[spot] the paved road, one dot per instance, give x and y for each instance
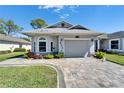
(81, 72)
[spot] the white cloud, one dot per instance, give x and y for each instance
(55, 7)
(63, 16)
(73, 8)
(59, 9)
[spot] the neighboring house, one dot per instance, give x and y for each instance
(72, 40)
(10, 43)
(113, 41)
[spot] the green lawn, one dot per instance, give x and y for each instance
(28, 77)
(11, 55)
(115, 58)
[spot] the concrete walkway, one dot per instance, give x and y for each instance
(81, 72)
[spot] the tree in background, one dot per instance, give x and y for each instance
(2, 27)
(11, 27)
(38, 23)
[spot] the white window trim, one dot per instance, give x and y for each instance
(114, 40)
(42, 41)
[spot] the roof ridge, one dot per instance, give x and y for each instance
(58, 22)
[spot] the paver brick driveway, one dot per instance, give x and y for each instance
(83, 72)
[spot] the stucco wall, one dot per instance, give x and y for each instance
(49, 39)
(27, 47)
(121, 44)
(104, 44)
(5, 45)
(58, 43)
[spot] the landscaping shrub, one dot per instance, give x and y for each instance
(37, 56)
(99, 55)
(5, 52)
(19, 50)
(32, 55)
(26, 56)
(60, 55)
(49, 56)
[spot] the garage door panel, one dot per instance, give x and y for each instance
(74, 48)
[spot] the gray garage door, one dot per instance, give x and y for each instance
(76, 48)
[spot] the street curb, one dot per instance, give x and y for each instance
(60, 76)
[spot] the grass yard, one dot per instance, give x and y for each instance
(10, 55)
(28, 77)
(115, 58)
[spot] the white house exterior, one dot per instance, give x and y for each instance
(72, 40)
(113, 42)
(10, 43)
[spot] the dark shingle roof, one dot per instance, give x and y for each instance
(60, 29)
(78, 27)
(13, 39)
(118, 34)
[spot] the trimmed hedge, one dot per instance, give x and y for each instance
(5, 52)
(19, 50)
(60, 55)
(49, 56)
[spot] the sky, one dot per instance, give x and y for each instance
(105, 19)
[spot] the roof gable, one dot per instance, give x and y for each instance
(61, 24)
(78, 27)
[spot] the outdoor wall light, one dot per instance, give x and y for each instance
(92, 39)
(77, 36)
(61, 39)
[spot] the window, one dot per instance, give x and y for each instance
(62, 24)
(114, 44)
(51, 46)
(42, 38)
(42, 46)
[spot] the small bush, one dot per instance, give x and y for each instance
(19, 50)
(99, 55)
(26, 56)
(37, 56)
(60, 55)
(32, 55)
(5, 52)
(49, 56)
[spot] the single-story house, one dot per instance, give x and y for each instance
(72, 40)
(112, 42)
(10, 43)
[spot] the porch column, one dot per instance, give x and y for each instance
(98, 44)
(36, 45)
